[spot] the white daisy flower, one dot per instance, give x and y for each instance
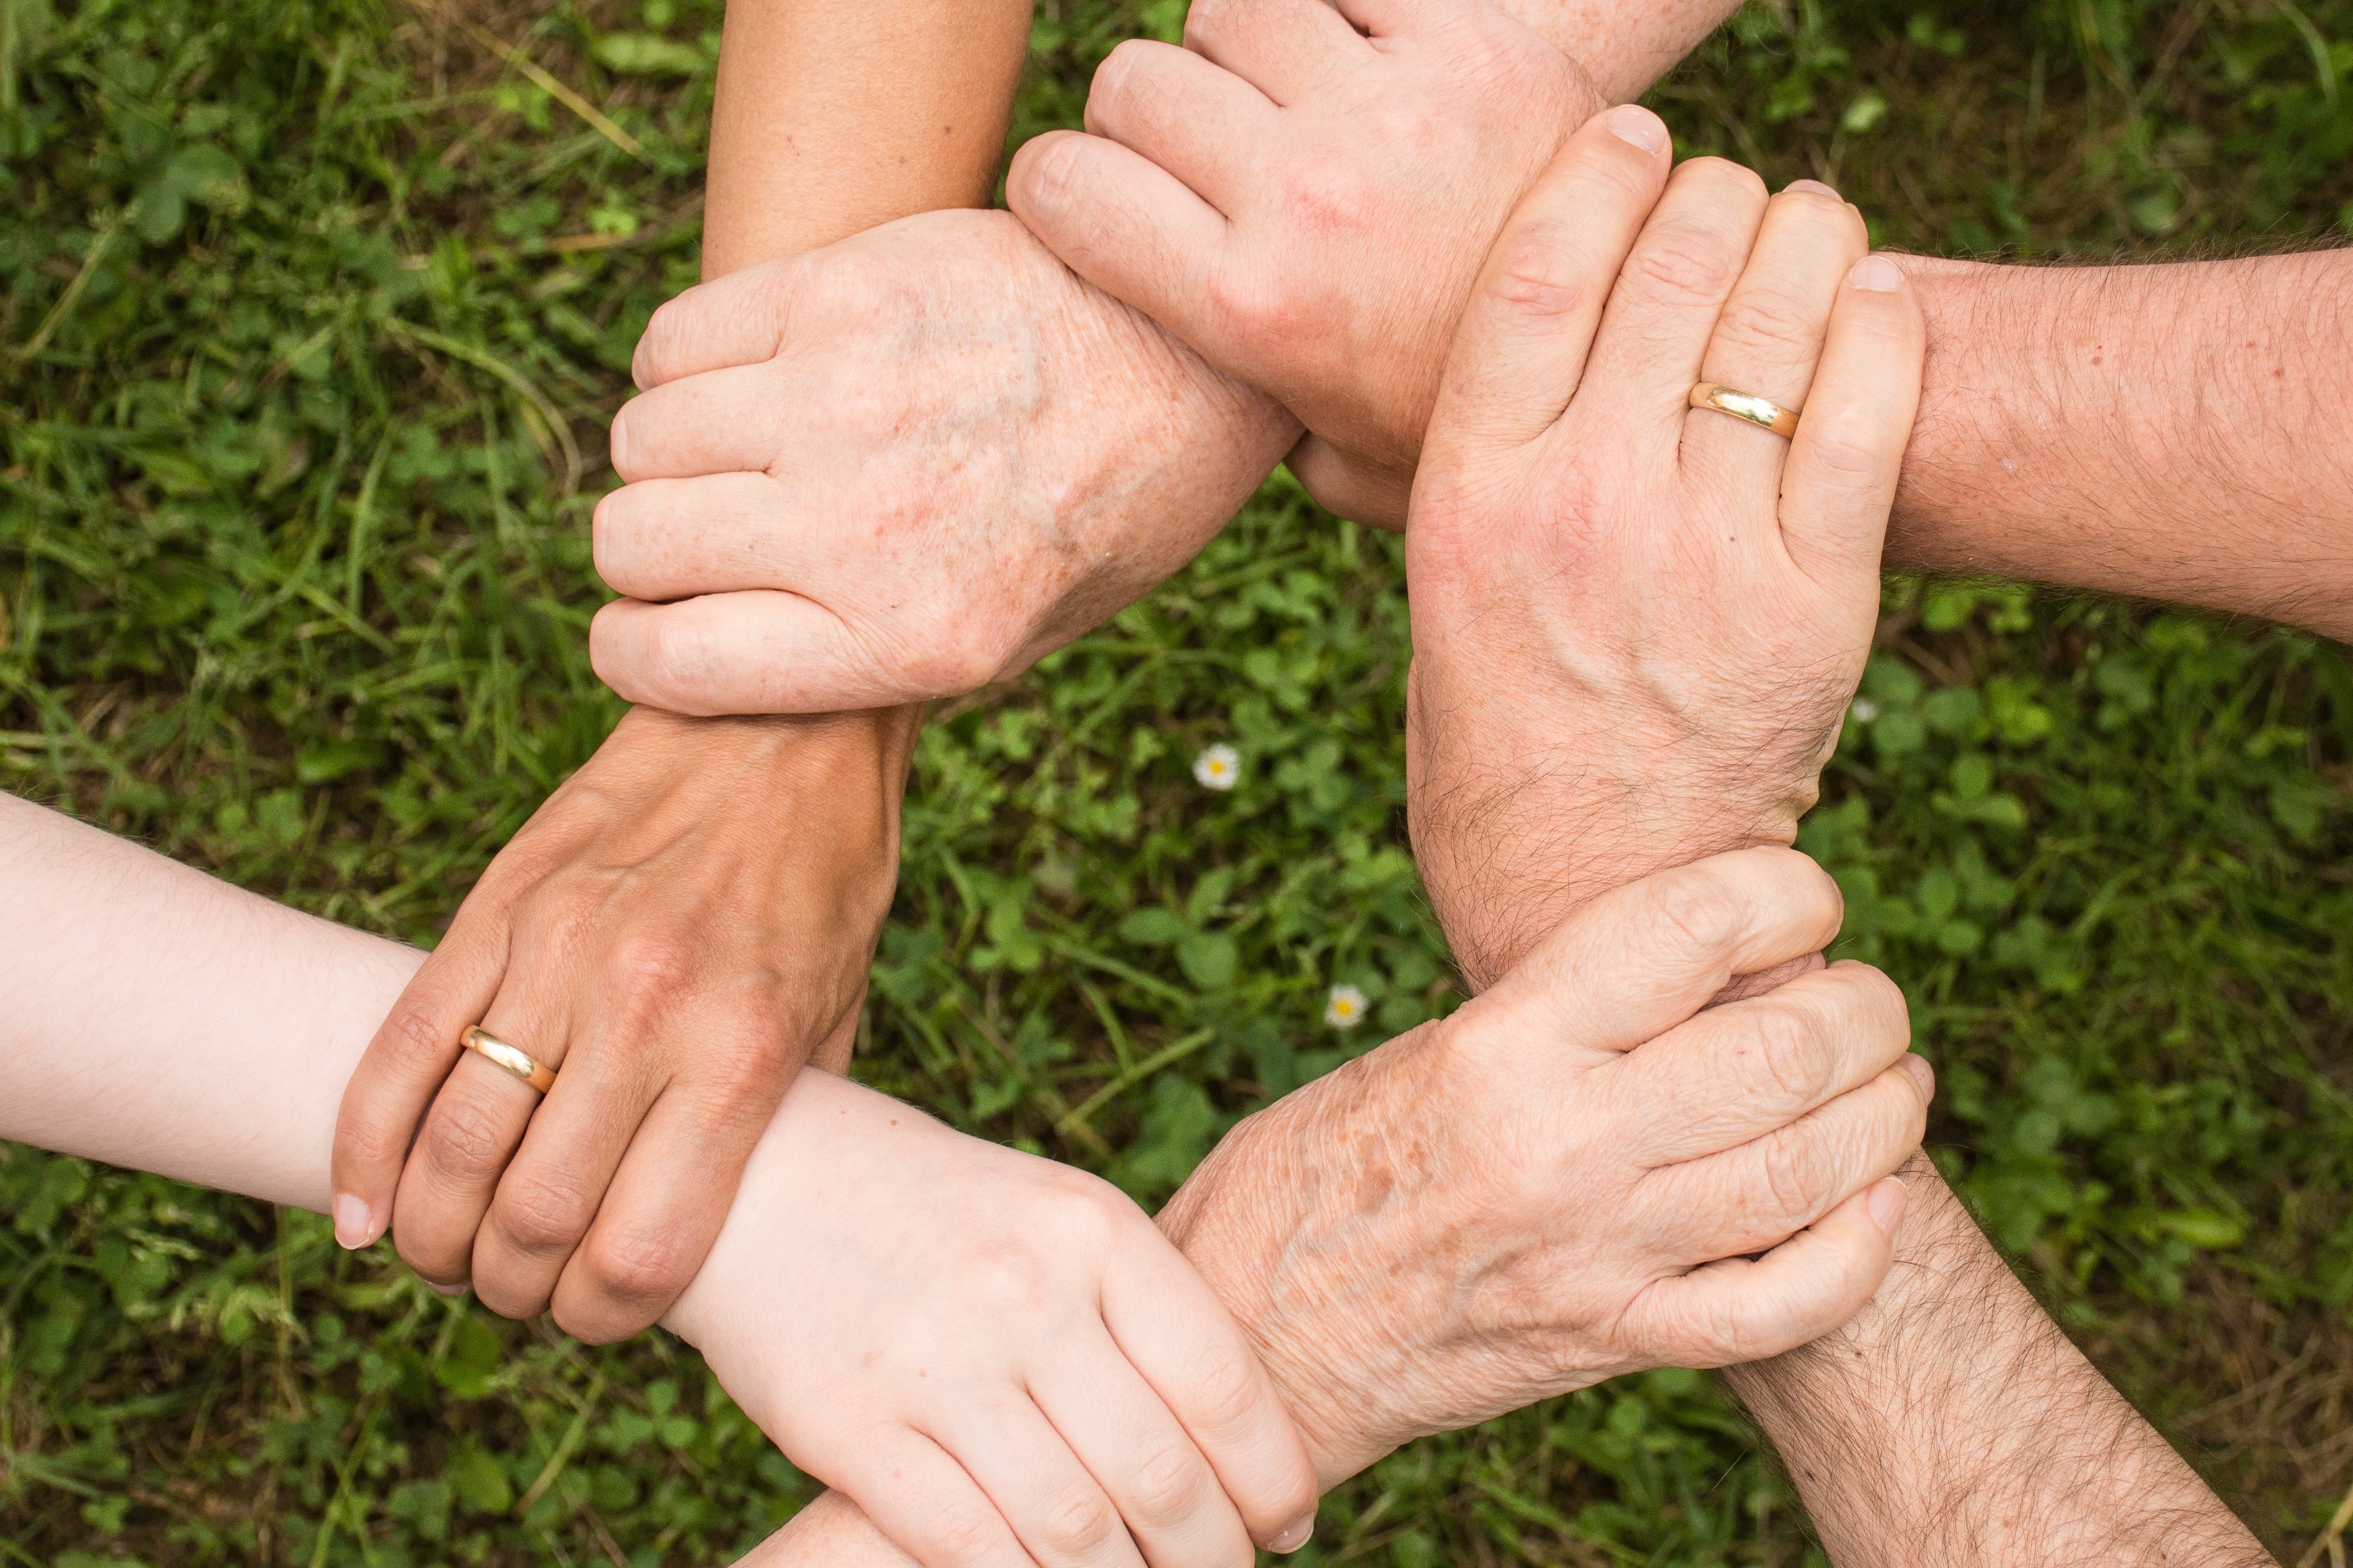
(1346, 1009)
(1864, 711)
(1219, 768)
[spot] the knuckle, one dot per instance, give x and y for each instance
(463, 1138)
(1167, 1484)
(1326, 195)
(655, 960)
(1205, 21)
(1791, 1053)
(1223, 1396)
(1534, 274)
(640, 1267)
(540, 1217)
(680, 657)
(1731, 181)
(1791, 1176)
(1046, 170)
(1076, 1522)
(1684, 265)
(964, 1533)
(1696, 913)
(1768, 326)
(415, 1040)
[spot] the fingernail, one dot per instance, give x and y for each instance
(1886, 1204)
(443, 1289)
(1876, 274)
(1922, 1074)
(1293, 1536)
(1630, 123)
(1815, 186)
(355, 1222)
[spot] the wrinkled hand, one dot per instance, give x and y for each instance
(997, 1356)
(903, 466)
(676, 930)
(1565, 1180)
(1637, 625)
(1308, 206)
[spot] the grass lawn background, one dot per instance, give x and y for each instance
(314, 311)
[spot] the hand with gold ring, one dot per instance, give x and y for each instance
(557, 1110)
(1641, 602)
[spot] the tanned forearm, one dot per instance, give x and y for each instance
(1951, 1422)
(834, 116)
(2170, 432)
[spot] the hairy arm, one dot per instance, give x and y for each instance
(1951, 1422)
(2166, 431)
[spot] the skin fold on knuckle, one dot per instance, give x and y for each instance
(464, 1141)
(1076, 1523)
(541, 1218)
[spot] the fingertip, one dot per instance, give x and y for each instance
(1293, 1536)
(1039, 181)
(1638, 128)
(1923, 1076)
(1875, 273)
(1886, 1199)
(355, 1223)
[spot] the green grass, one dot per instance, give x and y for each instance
(311, 311)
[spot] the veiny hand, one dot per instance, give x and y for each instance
(996, 1356)
(1567, 1179)
(676, 930)
(1308, 206)
(903, 466)
(1636, 625)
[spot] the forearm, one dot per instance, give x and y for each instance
(1623, 49)
(1952, 1423)
(2170, 432)
(833, 116)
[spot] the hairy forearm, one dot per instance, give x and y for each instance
(834, 116)
(1951, 1422)
(1623, 49)
(2170, 432)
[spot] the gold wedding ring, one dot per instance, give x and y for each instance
(1764, 411)
(491, 1049)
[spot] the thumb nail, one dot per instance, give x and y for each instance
(355, 1222)
(1886, 1204)
(1293, 1536)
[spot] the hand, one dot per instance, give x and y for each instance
(1565, 1179)
(996, 1356)
(900, 468)
(1308, 206)
(676, 930)
(1636, 625)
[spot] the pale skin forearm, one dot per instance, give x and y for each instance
(2171, 432)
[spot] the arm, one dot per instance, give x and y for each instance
(1951, 1424)
(2168, 431)
(591, 938)
(1561, 616)
(2174, 432)
(1393, 1298)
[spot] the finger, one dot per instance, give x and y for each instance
(1175, 1512)
(473, 1129)
(1134, 231)
(1288, 50)
(1739, 1310)
(760, 652)
(1758, 1196)
(1521, 346)
(1180, 1339)
(664, 1207)
(715, 422)
(659, 539)
(1023, 1466)
(1349, 487)
(1770, 335)
(405, 1064)
(550, 1193)
(1643, 957)
(735, 319)
(1735, 1073)
(1840, 477)
(1199, 123)
(926, 1503)
(1663, 308)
